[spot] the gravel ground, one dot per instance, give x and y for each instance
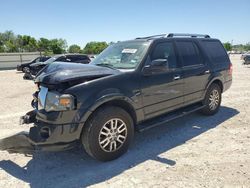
(194, 151)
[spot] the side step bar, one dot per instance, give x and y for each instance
(169, 117)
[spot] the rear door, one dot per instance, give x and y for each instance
(162, 92)
(195, 71)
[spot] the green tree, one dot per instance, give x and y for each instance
(43, 45)
(58, 46)
(19, 43)
(8, 40)
(247, 47)
(29, 43)
(74, 49)
(1, 48)
(228, 46)
(8, 36)
(95, 47)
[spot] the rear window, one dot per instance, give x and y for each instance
(216, 52)
(83, 57)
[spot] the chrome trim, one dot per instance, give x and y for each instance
(42, 97)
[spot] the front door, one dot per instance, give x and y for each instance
(162, 91)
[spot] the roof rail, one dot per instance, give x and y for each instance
(153, 36)
(175, 35)
(187, 35)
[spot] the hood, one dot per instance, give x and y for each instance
(61, 72)
(25, 64)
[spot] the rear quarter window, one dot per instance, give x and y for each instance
(216, 52)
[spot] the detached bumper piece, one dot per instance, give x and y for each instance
(18, 143)
(41, 137)
(21, 143)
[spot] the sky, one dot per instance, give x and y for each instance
(80, 21)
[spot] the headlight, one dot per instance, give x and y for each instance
(58, 102)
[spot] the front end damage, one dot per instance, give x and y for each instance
(42, 136)
(56, 120)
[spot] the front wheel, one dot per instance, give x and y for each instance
(108, 133)
(212, 100)
(26, 69)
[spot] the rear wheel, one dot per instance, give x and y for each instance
(108, 133)
(212, 100)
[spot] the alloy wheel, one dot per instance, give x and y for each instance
(214, 99)
(112, 135)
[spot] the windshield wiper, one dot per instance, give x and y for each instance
(105, 65)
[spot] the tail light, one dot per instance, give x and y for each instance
(230, 69)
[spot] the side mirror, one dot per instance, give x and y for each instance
(159, 62)
(157, 66)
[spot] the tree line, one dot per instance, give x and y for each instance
(10, 42)
(239, 47)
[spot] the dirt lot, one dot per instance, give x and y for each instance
(194, 151)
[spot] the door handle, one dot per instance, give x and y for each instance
(177, 77)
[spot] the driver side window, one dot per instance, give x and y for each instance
(165, 50)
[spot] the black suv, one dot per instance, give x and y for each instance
(131, 85)
(69, 58)
(25, 67)
(246, 60)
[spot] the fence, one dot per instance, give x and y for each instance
(11, 60)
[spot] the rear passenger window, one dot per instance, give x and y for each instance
(165, 50)
(189, 53)
(216, 52)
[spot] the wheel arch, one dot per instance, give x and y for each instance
(217, 81)
(119, 101)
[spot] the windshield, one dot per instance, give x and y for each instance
(122, 55)
(51, 60)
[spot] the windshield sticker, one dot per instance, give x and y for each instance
(129, 51)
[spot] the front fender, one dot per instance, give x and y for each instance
(104, 99)
(101, 101)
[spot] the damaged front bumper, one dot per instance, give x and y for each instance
(41, 137)
(28, 76)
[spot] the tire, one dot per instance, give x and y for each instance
(212, 100)
(97, 133)
(26, 69)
